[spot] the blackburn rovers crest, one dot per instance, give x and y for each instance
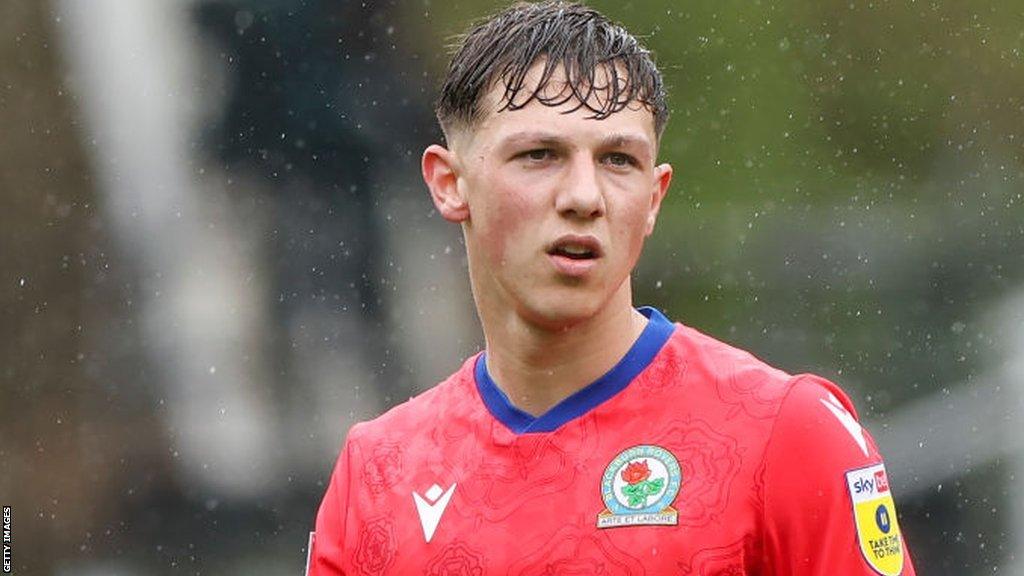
(639, 487)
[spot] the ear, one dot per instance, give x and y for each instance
(662, 178)
(442, 178)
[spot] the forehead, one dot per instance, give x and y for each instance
(555, 105)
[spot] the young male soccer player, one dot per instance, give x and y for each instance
(591, 437)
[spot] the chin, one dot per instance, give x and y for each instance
(561, 311)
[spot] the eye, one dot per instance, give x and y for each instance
(538, 154)
(619, 160)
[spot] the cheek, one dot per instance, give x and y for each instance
(631, 224)
(504, 220)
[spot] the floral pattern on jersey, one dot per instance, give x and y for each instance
(754, 391)
(383, 468)
(573, 551)
(376, 549)
(709, 461)
(456, 560)
(758, 485)
(718, 561)
(664, 373)
(537, 466)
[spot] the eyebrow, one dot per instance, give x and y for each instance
(624, 140)
(545, 138)
(614, 140)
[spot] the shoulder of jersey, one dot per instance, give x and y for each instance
(738, 376)
(723, 356)
(816, 407)
(820, 412)
(452, 396)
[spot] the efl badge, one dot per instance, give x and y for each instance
(638, 488)
(875, 514)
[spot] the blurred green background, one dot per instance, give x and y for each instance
(215, 253)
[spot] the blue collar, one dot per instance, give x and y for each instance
(643, 351)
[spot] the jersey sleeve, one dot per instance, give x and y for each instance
(827, 505)
(326, 544)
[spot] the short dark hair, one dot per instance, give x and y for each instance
(569, 37)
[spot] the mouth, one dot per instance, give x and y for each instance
(575, 256)
(575, 247)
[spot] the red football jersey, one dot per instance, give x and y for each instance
(688, 457)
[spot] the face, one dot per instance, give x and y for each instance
(555, 207)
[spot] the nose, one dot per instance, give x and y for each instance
(579, 194)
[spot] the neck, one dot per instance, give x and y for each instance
(538, 367)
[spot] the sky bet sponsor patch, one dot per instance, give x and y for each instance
(875, 514)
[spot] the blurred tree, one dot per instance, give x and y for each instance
(322, 101)
(78, 449)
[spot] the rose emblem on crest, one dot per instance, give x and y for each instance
(636, 472)
(638, 487)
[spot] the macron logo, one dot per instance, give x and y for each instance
(431, 506)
